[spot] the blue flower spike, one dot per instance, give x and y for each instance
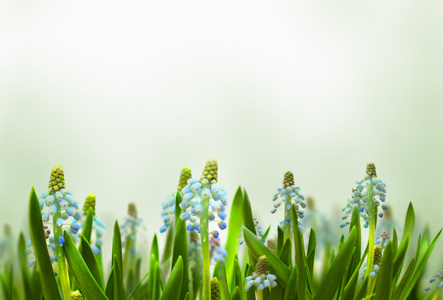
(284, 199)
(58, 209)
(359, 197)
(205, 189)
(261, 278)
(98, 225)
(168, 206)
(437, 280)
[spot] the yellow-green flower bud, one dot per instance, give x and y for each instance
(377, 255)
(132, 210)
(89, 202)
(57, 180)
(215, 289)
(310, 203)
(370, 170)
(76, 295)
(210, 171)
(184, 176)
(194, 237)
(8, 230)
(288, 179)
(262, 266)
(271, 245)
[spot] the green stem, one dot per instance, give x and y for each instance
(287, 225)
(436, 295)
(61, 262)
(128, 257)
(371, 216)
(259, 295)
(204, 234)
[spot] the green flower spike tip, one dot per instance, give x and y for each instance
(132, 210)
(288, 179)
(261, 277)
(184, 176)
(215, 289)
(76, 295)
(89, 202)
(210, 171)
(57, 180)
(370, 170)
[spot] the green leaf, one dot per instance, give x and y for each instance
(310, 257)
(167, 251)
(384, 276)
(137, 287)
(110, 285)
(409, 225)
(119, 287)
(419, 270)
(171, 289)
(257, 249)
(300, 258)
(26, 276)
(49, 285)
(337, 270)
(291, 289)
(152, 280)
(286, 253)
(223, 283)
(85, 280)
(234, 232)
(280, 236)
(180, 249)
(87, 227)
(91, 262)
(404, 280)
(237, 294)
(238, 278)
(248, 221)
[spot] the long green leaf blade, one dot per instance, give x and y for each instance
(49, 285)
(83, 276)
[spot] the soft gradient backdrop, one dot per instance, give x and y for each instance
(125, 94)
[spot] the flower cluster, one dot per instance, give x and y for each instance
(59, 210)
(376, 265)
(204, 190)
(261, 277)
(6, 245)
(98, 225)
(382, 240)
(168, 206)
(131, 225)
(359, 197)
(215, 289)
(215, 249)
(437, 277)
(289, 195)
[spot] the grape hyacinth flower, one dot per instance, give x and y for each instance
(129, 230)
(382, 240)
(286, 197)
(376, 265)
(215, 289)
(168, 206)
(61, 213)
(436, 279)
(361, 194)
(368, 194)
(98, 225)
(6, 246)
(203, 201)
(261, 278)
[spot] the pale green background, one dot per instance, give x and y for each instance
(123, 95)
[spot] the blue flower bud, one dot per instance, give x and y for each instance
(222, 224)
(96, 250)
(59, 222)
(222, 215)
(61, 240)
(185, 216)
(52, 209)
(58, 195)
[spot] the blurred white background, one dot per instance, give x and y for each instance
(125, 94)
